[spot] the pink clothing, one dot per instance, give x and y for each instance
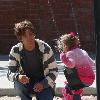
(67, 96)
(80, 59)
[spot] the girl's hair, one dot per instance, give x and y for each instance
(70, 40)
(21, 27)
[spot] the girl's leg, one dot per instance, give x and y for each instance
(77, 94)
(68, 90)
(76, 97)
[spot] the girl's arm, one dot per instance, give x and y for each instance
(68, 60)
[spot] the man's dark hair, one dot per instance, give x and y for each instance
(21, 27)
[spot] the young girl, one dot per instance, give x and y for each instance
(74, 57)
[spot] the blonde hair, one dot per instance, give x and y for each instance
(69, 40)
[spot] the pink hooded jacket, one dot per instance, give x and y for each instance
(80, 59)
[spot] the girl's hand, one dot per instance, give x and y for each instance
(65, 49)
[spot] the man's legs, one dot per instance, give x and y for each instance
(22, 91)
(46, 94)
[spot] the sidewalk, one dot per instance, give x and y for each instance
(7, 89)
(55, 98)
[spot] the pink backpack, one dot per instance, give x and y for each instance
(86, 74)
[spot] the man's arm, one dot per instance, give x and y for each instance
(13, 65)
(50, 67)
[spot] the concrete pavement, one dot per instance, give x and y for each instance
(55, 98)
(6, 87)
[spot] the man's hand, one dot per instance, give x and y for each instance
(38, 87)
(23, 79)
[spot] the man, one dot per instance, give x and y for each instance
(32, 65)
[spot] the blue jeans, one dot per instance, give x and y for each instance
(26, 92)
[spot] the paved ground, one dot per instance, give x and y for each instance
(17, 98)
(56, 98)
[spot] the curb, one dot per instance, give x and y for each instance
(12, 92)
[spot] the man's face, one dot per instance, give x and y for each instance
(28, 38)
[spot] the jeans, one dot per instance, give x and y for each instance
(25, 92)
